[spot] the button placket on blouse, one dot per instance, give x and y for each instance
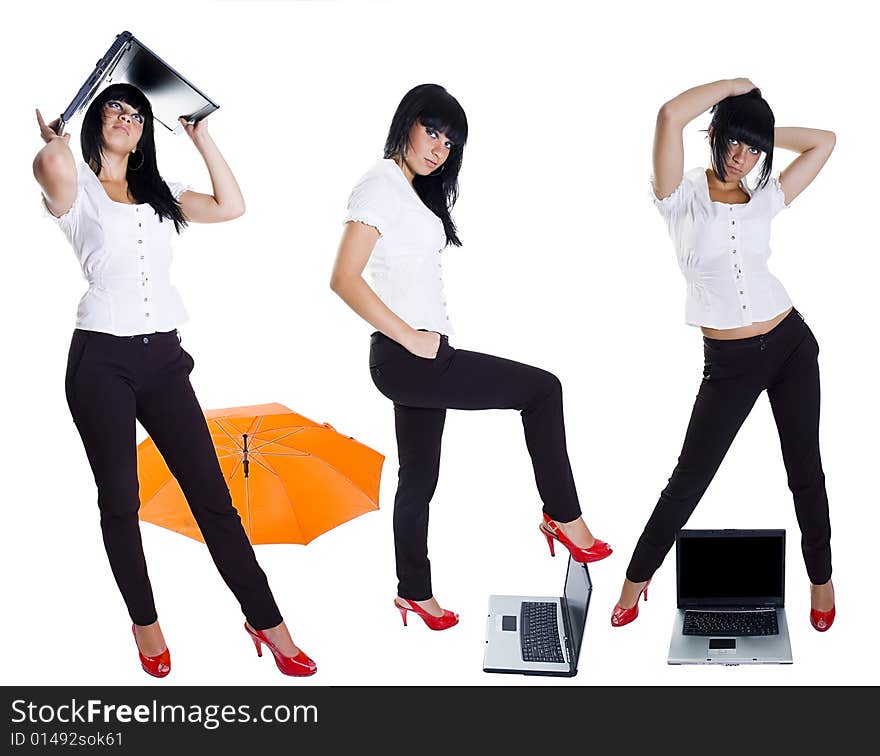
(440, 279)
(142, 266)
(739, 280)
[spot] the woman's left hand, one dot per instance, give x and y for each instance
(225, 202)
(195, 131)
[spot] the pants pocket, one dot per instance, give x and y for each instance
(442, 347)
(707, 370)
(78, 344)
(189, 359)
(812, 338)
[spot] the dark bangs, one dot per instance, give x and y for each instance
(130, 95)
(451, 123)
(434, 107)
(144, 182)
(748, 119)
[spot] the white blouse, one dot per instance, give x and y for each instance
(125, 254)
(722, 251)
(405, 263)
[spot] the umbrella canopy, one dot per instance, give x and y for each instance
(291, 478)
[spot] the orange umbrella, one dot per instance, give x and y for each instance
(291, 478)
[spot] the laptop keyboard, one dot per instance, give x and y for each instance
(761, 622)
(539, 632)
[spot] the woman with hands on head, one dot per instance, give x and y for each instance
(126, 362)
(399, 219)
(754, 340)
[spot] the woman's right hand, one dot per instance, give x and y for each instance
(55, 168)
(423, 344)
(47, 131)
(671, 120)
(741, 87)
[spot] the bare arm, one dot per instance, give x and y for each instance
(226, 201)
(347, 281)
(55, 169)
(814, 147)
(671, 120)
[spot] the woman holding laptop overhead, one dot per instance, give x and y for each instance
(126, 362)
(753, 338)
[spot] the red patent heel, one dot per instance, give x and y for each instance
(157, 666)
(822, 620)
(621, 616)
(443, 622)
(599, 549)
(295, 666)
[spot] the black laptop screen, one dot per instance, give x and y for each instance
(578, 588)
(716, 568)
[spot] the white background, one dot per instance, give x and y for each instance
(566, 265)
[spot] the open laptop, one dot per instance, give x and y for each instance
(731, 598)
(129, 61)
(538, 635)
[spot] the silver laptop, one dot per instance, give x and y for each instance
(731, 598)
(539, 635)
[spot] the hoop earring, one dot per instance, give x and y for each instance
(139, 165)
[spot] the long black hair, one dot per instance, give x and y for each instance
(434, 107)
(748, 119)
(144, 182)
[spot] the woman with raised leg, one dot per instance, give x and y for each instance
(399, 220)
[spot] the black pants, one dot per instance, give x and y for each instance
(736, 372)
(422, 390)
(111, 380)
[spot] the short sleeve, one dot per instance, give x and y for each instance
(673, 204)
(775, 196)
(68, 220)
(177, 188)
(372, 201)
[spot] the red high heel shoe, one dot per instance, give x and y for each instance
(621, 616)
(822, 620)
(296, 666)
(157, 666)
(443, 622)
(599, 549)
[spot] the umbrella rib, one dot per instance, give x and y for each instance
(266, 468)
(277, 439)
(221, 425)
(301, 429)
(232, 474)
(326, 464)
(351, 483)
(343, 476)
(255, 425)
(357, 489)
(286, 454)
(228, 449)
(231, 437)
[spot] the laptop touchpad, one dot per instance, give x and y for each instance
(508, 622)
(722, 645)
